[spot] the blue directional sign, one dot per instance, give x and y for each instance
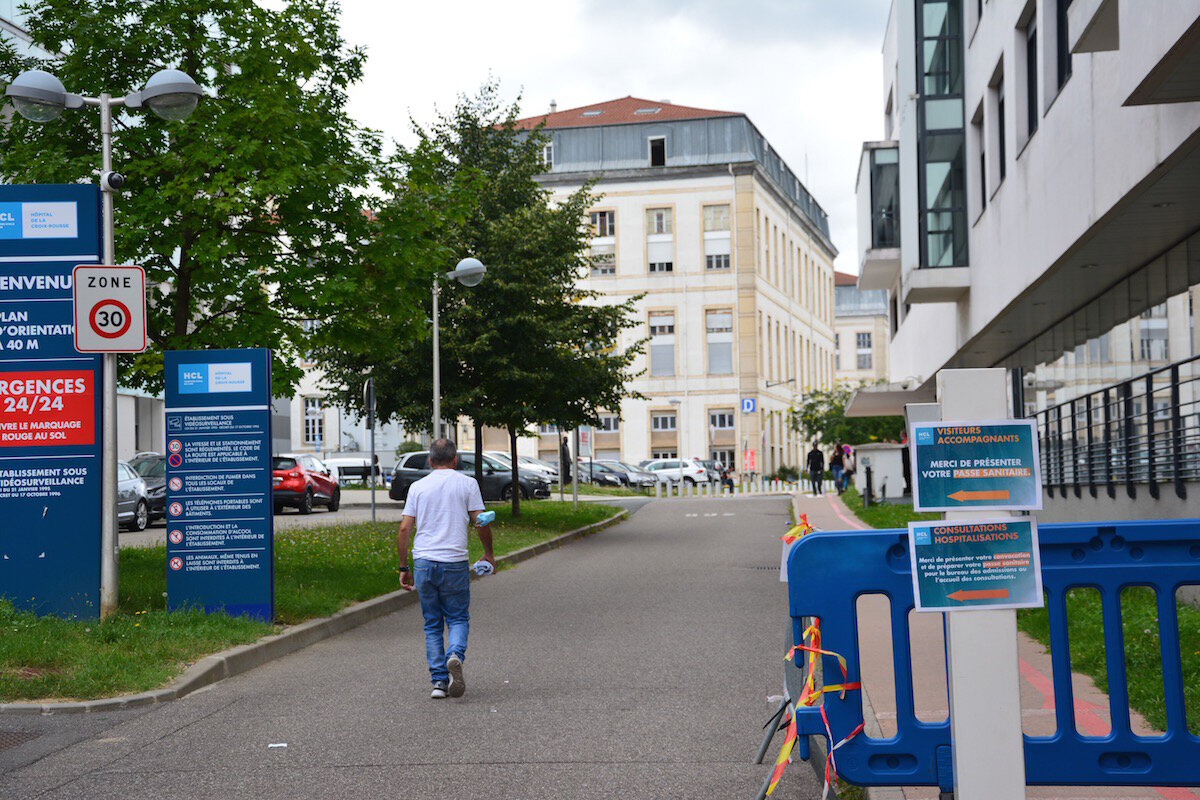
(220, 531)
(749, 405)
(977, 563)
(964, 465)
(50, 396)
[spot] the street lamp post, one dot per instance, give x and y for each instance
(39, 96)
(468, 272)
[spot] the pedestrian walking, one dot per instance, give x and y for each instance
(564, 458)
(837, 465)
(440, 507)
(816, 468)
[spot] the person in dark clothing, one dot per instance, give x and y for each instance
(816, 468)
(564, 458)
(837, 465)
(726, 478)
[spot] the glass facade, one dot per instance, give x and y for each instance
(885, 197)
(942, 169)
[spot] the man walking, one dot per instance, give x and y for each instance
(441, 506)
(816, 468)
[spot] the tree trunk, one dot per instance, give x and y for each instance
(479, 454)
(512, 454)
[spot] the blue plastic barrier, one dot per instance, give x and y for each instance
(828, 571)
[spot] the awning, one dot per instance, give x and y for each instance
(888, 399)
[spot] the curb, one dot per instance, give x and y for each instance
(243, 658)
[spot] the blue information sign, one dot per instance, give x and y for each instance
(220, 532)
(50, 398)
(977, 563)
(964, 465)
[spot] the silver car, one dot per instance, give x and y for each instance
(133, 501)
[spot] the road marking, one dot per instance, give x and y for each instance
(727, 514)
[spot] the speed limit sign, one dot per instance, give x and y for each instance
(110, 309)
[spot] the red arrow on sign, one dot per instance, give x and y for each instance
(963, 595)
(962, 495)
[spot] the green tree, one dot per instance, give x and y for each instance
(822, 414)
(247, 216)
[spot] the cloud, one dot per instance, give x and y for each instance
(807, 72)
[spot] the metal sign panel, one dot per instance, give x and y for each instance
(977, 563)
(220, 530)
(975, 465)
(110, 309)
(749, 405)
(50, 396)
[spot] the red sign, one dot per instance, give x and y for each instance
(750, 461)
(51, 408)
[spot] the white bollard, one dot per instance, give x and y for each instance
(658, 490)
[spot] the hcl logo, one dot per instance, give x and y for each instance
(924, 436)
(6, 216)
(193, 376)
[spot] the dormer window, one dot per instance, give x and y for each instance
(595, 112)
(647, 111)
(658, 151)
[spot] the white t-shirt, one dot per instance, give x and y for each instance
(440, 503)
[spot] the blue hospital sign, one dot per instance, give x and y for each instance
(965, 465)
(220, 531)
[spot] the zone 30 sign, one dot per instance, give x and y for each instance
(110, 309)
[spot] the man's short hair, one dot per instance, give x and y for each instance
(442, 453)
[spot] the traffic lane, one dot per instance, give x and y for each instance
(632, 664)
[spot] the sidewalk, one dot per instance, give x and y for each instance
(928, 654)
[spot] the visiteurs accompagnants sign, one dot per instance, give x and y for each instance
(975, 465)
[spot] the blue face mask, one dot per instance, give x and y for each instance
(485, 518)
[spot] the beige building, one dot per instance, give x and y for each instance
(861, 333)
(732, 258)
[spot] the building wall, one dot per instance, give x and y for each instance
(848, 329)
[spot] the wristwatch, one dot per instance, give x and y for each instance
(404, 568)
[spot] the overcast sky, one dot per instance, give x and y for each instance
(807, 72)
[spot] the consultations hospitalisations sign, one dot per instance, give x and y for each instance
(967, 465)
(220, 532)
(984, 563)
(50, 395)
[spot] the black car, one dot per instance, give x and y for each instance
(152, 467)
(600, 474)
(496, 484)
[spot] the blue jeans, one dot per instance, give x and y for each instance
(837, 477)
(445, 592)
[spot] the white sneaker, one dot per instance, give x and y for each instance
(454, 666)
(439, 691)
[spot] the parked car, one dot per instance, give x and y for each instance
(353, 469)
(496, 484)
(550, 469)
(549, 473)
(303, 481)
(133, 503)
(714, 469)
(634, 477)
(599, 474)
(152, 468)
(674, 470)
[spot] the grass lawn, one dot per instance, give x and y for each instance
(884, 516)
(1143, 666)
(143, 646)
(589, 488)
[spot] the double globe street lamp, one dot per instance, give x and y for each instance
(39, 96)
(469, 272)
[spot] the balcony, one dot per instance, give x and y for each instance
(878, 191)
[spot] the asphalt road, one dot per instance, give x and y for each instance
(632, 664)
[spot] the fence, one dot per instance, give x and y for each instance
(1107, 557)
(1145, 430)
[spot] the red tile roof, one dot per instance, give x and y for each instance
(624, 111)
(844, 279)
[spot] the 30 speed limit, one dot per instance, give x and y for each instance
(110, 309)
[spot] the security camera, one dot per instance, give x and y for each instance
(111, 181)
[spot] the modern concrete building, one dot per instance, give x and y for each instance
(701, 217)
(1034, 206)
(860, 338)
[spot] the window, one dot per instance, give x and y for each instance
(604, 223)
(660, 241)
(548, 154)
(981, 136)
(1000, 138)
(837, 351)
(547, 430)
(663, 421)
(609, 423)
(314, 421)
(663, 454)
(662, 344)
(719, 330)
(1062, 41)
(863, 349)
(417, 461)
(721, 419)
(1031, 82)
(658, 151)
(717, 246)
(604, 259)
(725, 457)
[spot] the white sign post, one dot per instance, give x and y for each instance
(110, 309)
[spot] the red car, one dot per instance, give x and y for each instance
(303, 481)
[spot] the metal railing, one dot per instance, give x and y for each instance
(1145, 430)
